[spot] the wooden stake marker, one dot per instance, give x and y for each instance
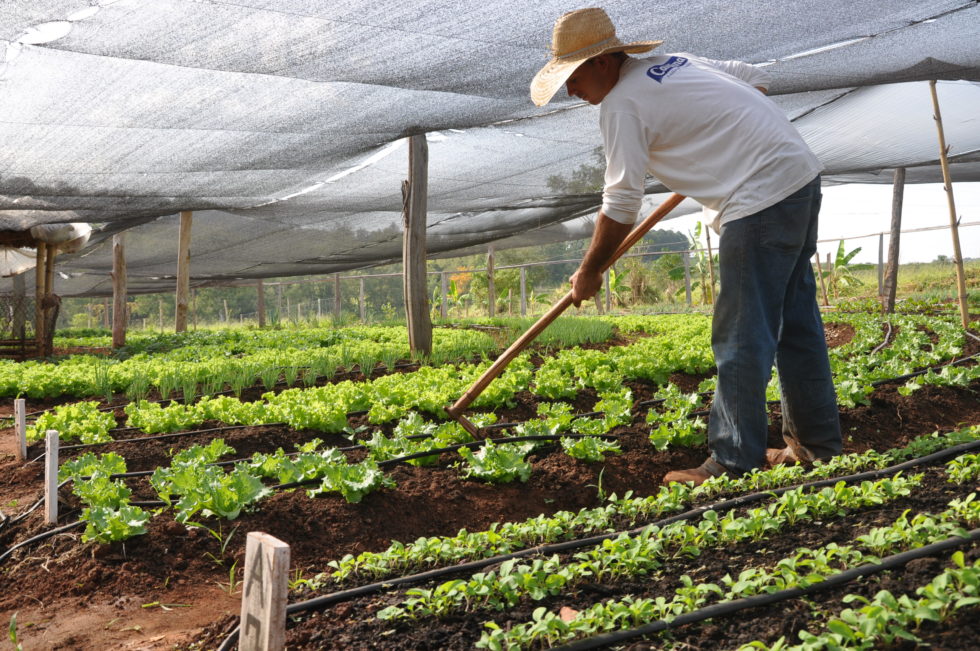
(263, 625)
(20, 429)
(51, 477)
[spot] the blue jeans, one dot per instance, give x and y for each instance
(767, 311)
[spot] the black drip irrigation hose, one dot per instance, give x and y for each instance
(318, 603)
(47, 534)
(731, 607)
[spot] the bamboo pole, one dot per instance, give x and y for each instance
(523, 291)
(953, 222)
(183, 271)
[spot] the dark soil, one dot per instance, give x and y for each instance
(71, 595)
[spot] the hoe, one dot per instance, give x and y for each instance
(456, 410)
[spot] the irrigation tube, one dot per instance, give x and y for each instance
(47, 534)
(318, 603)
(730, 607)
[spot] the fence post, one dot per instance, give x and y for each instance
(605, 285)
(491, 290)
(336, 299)
(20, 429)
(260, 296)
(362, 302)
(881, 264)
(687, 276)
(523, 291)
(51, 477)
(444, 287)
(263, 620)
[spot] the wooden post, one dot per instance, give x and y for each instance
(299, 312)
(260, 296)
(711, 268)
(823, 285)
(105, 313)
(279, 301)
(18, 329)
(687, 276)
(319, 307)
(160, 307)
(51, 477)
(183, 271)
(336, 299)
(881, 265)
(891, 271)
(415, 196)
(263, 622)
(39, 293)
(608, 295)
(227, 315)
(444, 290)
(193, 309)
(362, 301)
(953, 222)
(510, 302)
(491, 289)
(119, 290)
(20, 429)
(523, 291)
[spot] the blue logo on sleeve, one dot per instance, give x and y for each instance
(659, 72)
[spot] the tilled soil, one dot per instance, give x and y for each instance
(172, 586)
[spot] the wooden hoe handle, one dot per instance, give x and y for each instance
(515, 348)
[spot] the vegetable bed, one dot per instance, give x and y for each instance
(179, 584)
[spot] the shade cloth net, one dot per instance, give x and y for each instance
(282, 124)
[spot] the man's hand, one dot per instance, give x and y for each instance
(606, 239)
(585, 285)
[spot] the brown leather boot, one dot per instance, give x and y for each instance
(697, 476)
(779, 456)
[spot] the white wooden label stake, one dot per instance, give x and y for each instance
(20, 429)
(51, 477)
(263, 625)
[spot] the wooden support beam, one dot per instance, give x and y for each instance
(49, 324)
(336, 299)
(183, 271)
(119, 320)
(415, 196)
(953, 222)
(51, 477)
(20, 430)
(39, 293)
(18, 329)
(491, 286)
(263, 620)
(890, 282)
(260, 291)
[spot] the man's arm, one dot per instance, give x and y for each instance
(608, 235)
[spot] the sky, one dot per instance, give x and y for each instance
(850, 211)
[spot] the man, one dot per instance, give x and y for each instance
(705, 130)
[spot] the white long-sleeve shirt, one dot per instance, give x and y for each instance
(704, 130)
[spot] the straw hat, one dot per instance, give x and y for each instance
(578, 36)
